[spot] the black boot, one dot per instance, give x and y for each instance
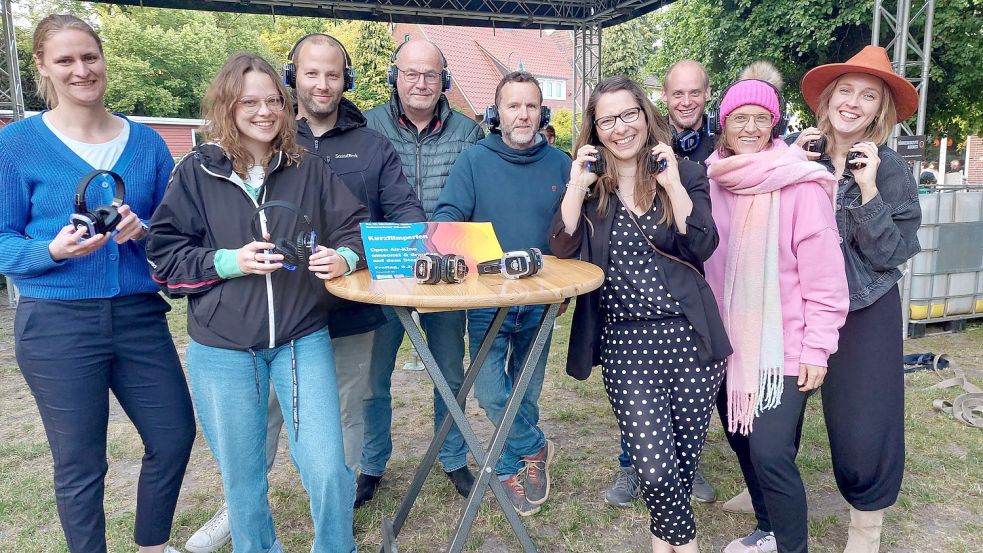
(365, 487)
(463, 480)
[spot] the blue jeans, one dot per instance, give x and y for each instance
(494, 383)
(445, 335)
(231, 391)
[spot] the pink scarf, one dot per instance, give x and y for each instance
(752, 303)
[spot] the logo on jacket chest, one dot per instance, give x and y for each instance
(346, 156)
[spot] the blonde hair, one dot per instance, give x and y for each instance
(219, 105)
(646, 189)
(46, 28)
(879, 129)
(763, 70)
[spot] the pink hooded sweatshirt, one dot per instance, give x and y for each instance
(812, 279)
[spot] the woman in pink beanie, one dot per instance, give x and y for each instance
(857, 104)
(779, 281)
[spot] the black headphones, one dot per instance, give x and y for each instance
(494, 121)
(514, 264)
(713, 116)
(290, 68)
(393, 72)
(432, 268)
(295, 251)
(102, 219)
(686, 141)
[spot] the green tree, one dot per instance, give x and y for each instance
(562, 122)
(727, 35)
(625, 49)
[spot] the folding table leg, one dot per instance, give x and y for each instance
(438, 440)
(486, 475)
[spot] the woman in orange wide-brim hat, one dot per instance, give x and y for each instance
(857, 104)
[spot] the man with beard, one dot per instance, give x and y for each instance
(686, 91)
(428, 136)
(513, 179)
(332, 127)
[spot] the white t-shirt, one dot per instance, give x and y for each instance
(100, 156)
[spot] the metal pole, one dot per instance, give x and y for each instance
(11, 95)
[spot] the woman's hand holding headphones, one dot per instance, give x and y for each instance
(130, 226)
(254, 259)
(669, 177)
(326, 263)
(805, 137)
(68, 243)
(865, 169)
(580, 177)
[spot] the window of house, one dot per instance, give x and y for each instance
(554, 89)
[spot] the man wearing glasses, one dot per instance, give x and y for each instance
(428, 136)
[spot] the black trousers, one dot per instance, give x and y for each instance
(72, 353)
(767, 459)
(863, 403)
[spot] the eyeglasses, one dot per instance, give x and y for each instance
(250, 105)
(628, 116)
(740, 120)
(414, 76)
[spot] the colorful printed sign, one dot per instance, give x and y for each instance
(391, 248)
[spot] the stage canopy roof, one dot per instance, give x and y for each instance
(529, 14)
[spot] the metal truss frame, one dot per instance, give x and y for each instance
(910, 59)
(11, 94)
(586, 69)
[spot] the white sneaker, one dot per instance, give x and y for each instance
(214, 534)
(755, 542)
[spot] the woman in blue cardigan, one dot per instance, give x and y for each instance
(89, 318)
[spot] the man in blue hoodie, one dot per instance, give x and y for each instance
(513, 179)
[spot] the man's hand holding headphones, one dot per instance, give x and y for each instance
(255, 258)
(327, 264)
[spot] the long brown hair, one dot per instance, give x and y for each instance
(646, 189)
(219, 105)
(47, 27)
(879, 129)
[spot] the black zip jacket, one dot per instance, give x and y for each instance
(370, 167)
(205, 209)
(591, 242)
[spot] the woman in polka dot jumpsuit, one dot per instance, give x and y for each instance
(654, 324)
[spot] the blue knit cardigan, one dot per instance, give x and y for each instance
(38, 177)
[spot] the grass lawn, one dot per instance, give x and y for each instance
(940, 509)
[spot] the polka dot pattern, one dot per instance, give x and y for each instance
(661, 395)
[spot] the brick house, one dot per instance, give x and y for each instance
(478, 58)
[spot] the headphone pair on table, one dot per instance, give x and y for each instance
(432, 268)
(298, 248)
(514, 264)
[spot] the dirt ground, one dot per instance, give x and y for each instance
(941, 508)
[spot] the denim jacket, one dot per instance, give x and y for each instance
(880, 235)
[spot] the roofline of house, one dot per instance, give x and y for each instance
(453, 80)
(6, 113)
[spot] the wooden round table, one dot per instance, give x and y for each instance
(560, 279)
